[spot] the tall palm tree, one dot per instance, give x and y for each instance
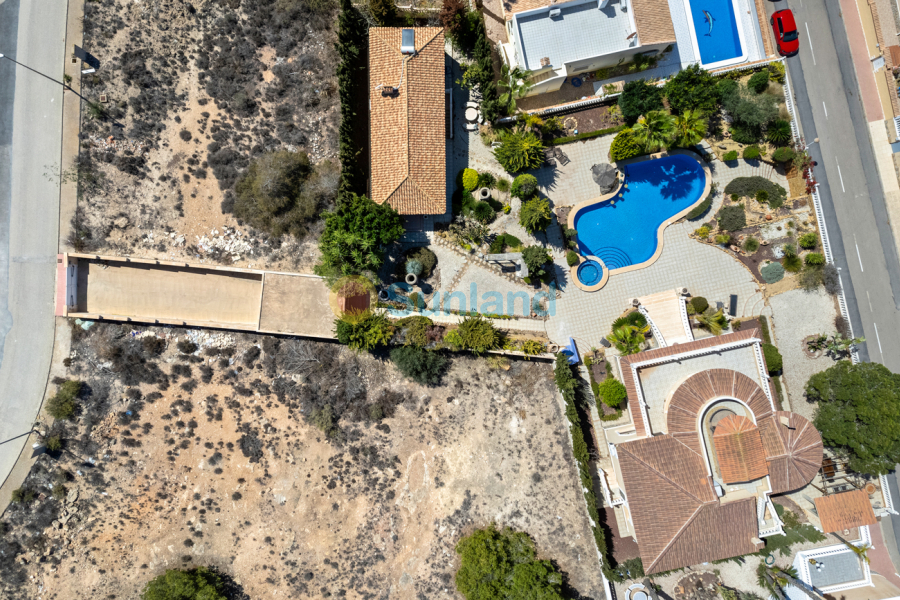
(513, 85)
(654, 130)
(690, 127)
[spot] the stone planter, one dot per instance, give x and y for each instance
(411, 279)
(805, 347)
(482, 193)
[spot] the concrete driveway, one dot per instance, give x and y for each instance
(33, 33)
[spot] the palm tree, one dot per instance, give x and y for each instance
(690, 127)
(513, 85)
(715, 322)
(654, 130)
(779, 132)
(628, 339)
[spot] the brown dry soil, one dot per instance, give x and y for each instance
(194, 91)
(225, 470)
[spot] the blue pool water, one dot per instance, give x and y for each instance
(625, 233)
(590, 272)
(721, 41)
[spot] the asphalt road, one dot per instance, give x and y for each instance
(827, 97)
(32, 32)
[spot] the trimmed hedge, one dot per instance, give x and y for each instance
(571, 258)
(502, 241)
(732, 218)
(774, 362)
(751, 153)
(569, 387)
(730, 155)
(700, 210)
(587, 135)
(624, 146)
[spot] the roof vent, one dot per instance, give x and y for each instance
(408, 41)
(555, 13)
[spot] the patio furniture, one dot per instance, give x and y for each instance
(471, 126)
(561, 157)
(471, 114)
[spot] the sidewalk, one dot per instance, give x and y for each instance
(862, 26)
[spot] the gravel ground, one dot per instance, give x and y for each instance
(817, 312)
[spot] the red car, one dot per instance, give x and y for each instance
(785, 29)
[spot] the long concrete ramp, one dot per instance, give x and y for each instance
(168, 293)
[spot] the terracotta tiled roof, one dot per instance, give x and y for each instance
(710, 342)
(845, 511)
(678, 520)
(408, 148)
(739, 450)
(793, 450)
(692, 397)
(653, 22)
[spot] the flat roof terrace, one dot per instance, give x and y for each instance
(582, 30)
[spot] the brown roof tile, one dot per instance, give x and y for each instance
(653, 22)
(795, 461)
(739, 450)
(677, 517)
(408, 149)
(845, 511)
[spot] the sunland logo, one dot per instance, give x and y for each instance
(514, 304)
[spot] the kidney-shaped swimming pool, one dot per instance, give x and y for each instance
(626, 229)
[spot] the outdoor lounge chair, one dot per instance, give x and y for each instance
(561, 157)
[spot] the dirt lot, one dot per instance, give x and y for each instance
(210, 458)
(194, 91)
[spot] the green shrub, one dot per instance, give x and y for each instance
(730, 155)
(751, 153)
(702, 232)
(477, 334)
(414, 267)
(469, 179)
(536, 258)
(779, 132)
(808, 240)
(504, 240)
(751, 244)
(524, 186)
(572, 258)
(791, 261)
(749, 109)
(762, 196)
(363, 330)
(745, 134)
(483, 212)
(699, 304)
(759, 81)
(772, 272)
(22, 495)
(774, 362)
(612, 392)
(815, 259)
(419, 365)
(700, 210)
(723, 239)
(63, 405)
(638, 98)
(486, 180)
(503, 564)
(281, 192)
(625, 146)
(533, 348)
(732, 218)
(783, 154)
(520, 151)
(354, 233)
(748, 186)
(535, 215)
(693, 88)
(54, 443)
(503, 185)
(426, 258)
(195, 584)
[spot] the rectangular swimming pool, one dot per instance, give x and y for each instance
(716, 32)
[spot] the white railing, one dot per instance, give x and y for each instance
(763, 374)
(642, 404)
(685, 322)
(656, 332)
(694, 353)
(886, 492)
(897, 126)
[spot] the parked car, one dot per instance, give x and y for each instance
(785, 29)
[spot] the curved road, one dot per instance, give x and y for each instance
(32, 32)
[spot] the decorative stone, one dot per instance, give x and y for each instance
(768, 217)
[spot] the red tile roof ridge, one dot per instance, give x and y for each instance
(679, 349)
(675, 537)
